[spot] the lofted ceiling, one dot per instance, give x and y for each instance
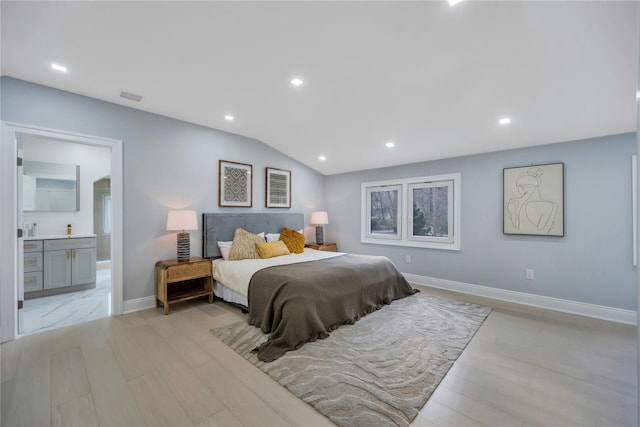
(432, 78)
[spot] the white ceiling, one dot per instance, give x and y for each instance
(434, 79)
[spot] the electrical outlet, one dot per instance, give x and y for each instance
(529, 274)
(407, 259)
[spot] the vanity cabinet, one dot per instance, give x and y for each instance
(69, 262)
(53, 266)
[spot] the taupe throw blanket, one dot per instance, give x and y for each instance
(297, 303)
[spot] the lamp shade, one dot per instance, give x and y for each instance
(319, 218)
(182, 220)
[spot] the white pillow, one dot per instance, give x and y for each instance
(272, 237)
(224, 249)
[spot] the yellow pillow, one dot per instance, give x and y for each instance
(272, 249)
(244, 245)
(293, 240)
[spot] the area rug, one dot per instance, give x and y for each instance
(379, 371)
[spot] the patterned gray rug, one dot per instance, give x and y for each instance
(379, 371)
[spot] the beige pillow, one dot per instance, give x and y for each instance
(244, 245)
(272, 249)
(293, 240)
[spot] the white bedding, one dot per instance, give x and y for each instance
(236, 275)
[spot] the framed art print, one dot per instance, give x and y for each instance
(533, 200)
(235, 184)
(278, 188)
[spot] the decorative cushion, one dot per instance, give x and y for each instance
(272, 237)
(272, 249)
(293, 240)
(244, 245)
(224, 249)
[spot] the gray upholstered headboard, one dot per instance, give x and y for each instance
(221, 226)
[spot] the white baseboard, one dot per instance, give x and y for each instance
(138, 304)
(566, 306)
(612, 314)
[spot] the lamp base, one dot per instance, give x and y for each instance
(319, 235)
(184, 246)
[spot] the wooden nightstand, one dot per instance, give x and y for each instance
(181, 281)
(328, 247)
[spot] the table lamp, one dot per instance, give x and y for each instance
(182, 220)
(319, 219)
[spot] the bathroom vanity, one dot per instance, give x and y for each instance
(59, 263)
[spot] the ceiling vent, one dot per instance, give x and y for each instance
(131, 96)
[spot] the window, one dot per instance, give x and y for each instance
(106, 214)
(419, 212)
(383, 208)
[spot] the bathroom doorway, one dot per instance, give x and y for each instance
(72, 289)
(11, 243)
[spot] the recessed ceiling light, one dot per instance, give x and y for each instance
(130, 96)
(58, 67)
(323, 158)
(504, 121)
(454, 2)
(390, 144)
(229, 118)
(296, 81)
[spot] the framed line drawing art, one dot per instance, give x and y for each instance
(533, 200)
(278, 188)
(235, 184)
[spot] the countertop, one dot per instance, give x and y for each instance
(59, 236)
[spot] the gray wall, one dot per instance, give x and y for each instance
(173, 164)
(168, 164)
(592, 263)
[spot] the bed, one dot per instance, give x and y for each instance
(300, 297)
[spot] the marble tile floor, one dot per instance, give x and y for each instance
(57, 311)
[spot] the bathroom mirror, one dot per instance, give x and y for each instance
(50, 187)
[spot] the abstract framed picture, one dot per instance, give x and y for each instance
(235, 184)
(533, 200)
(278, 188)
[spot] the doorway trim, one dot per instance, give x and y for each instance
(9, 220)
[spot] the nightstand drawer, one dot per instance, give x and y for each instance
(188, 271)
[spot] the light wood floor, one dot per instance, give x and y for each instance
(524, 367)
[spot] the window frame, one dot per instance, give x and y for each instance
(449, 184)
(405, 208)
(368, 232)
